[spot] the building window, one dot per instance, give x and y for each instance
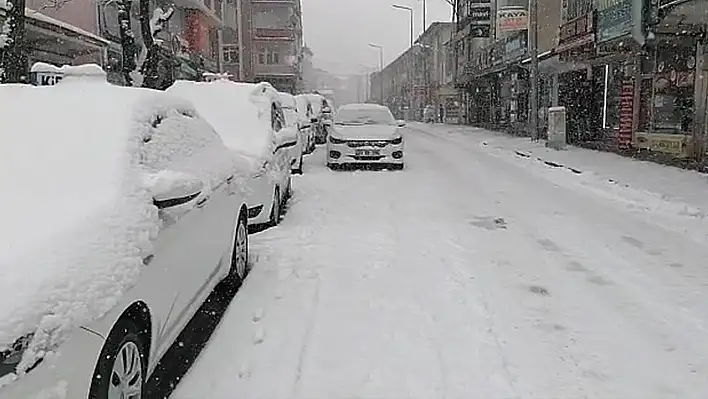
(269, 57)
(231, 55)
(218, 9)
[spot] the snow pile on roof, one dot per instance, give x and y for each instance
(240, 112)
(77, 218)
(287, 100)
(44, 67)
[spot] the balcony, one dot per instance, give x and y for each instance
(275, 70)
(277, 34)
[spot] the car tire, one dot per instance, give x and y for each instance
(125, 338)
(240, 267)
(298, 171)
(275, 209)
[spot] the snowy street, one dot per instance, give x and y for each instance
(479, 271)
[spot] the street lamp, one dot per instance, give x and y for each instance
(381, 67)
(410, 10)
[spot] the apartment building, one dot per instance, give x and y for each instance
(276, 43)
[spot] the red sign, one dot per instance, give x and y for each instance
(626, 111)
(196, 31)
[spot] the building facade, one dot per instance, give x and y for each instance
(422, 76)
(630, 73)
(276, 43)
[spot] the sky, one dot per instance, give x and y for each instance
(339, 31)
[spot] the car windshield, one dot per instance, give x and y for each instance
(364, 116)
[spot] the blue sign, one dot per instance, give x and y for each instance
(614, 21)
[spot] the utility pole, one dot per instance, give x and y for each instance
(533, 49)
(424, 16)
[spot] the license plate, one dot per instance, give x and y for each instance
(367, 153)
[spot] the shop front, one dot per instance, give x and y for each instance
(668, 93)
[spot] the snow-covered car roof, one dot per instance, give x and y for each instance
(287, 100)
(77, 216)
(363, 107)
(240, 112)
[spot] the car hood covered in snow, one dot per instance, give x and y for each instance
(365, 132)
(76, 217)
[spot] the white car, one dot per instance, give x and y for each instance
(119, 218)
(250, 120)
(292, 121)
(307, 118)
(365, 134)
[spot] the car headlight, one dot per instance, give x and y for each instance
(335, 140)
(397, 140)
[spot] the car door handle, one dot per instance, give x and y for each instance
(202, 202)
(229, 179)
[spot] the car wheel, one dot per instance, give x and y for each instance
(333, 166)
(239, 257)
(275, 209)
(122, 366)
(298, 171)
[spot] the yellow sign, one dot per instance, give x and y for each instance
(669, 145)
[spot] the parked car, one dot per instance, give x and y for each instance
(250, 120)
(365, 134)
(307, 120)
(119, 218)
(292, 121)
(322, 115)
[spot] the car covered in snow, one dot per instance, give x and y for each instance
(292, 122)
(307, 118)
(120, 215)
(250, 119)
(365, 134)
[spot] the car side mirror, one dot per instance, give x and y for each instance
(401, 123)
(172, 189)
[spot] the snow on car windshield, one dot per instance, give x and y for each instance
(364, 116)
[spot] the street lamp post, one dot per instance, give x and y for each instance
(410, 10)
(381, 68)
(533, 75)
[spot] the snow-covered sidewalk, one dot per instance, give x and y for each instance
(474, 273)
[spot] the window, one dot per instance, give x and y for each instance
(277, 119)
(269, 57)
(231, 54)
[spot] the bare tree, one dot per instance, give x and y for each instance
(13, 57)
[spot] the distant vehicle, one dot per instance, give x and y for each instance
(307, 120)
(250, 119)
(292, 120)
(365, 134)
(323, 114)
(139, 224)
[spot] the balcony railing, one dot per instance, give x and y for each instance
(277, 69)
(274, 33)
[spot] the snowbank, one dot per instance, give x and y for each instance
(238, 111)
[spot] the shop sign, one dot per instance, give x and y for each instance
(669, 145)
(479, 16)
(614, 19)
(511, 19)
(576, 33)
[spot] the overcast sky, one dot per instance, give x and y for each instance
(339, 31)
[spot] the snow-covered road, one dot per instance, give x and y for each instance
(474, 273)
